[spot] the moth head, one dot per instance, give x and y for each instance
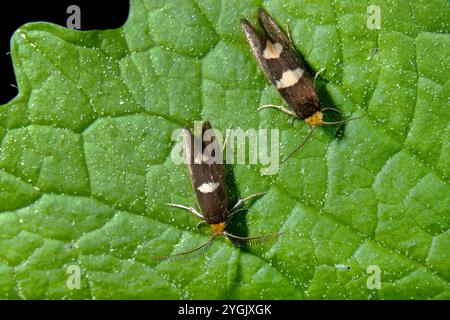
(315, 120)
(218, 228)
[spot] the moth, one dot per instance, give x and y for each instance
(208, 180)
(283, 67)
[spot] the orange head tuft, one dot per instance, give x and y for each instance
(315, 120)
(217, 228)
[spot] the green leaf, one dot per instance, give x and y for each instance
(85, 169)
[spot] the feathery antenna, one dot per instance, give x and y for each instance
(244, 242)
(191, 254)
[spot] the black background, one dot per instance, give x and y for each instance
(95, 14)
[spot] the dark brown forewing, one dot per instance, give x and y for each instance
(257, 44)
(301, 97)
(208, 180)
(274, 32)
(272, 68)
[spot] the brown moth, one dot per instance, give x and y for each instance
(208, 180)
(284, 68)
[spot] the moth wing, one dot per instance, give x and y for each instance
(273, 68)
(257, 44)
(274, 31)
(300, 95)
(208, 179)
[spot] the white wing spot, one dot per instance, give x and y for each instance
(208, 187)
(272, 51)
(289, 78)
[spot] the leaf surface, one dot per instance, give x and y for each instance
(85, 166)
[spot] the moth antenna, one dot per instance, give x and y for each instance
(301, 145)
(342, 121)
(244, 242)
(191, 254)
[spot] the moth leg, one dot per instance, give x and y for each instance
(280, 108)
(201, 223)
(190, 209)
(342, 121)
(232, 213)
(317, 74)
(332, 109)
(291, 121)
(241, 201)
